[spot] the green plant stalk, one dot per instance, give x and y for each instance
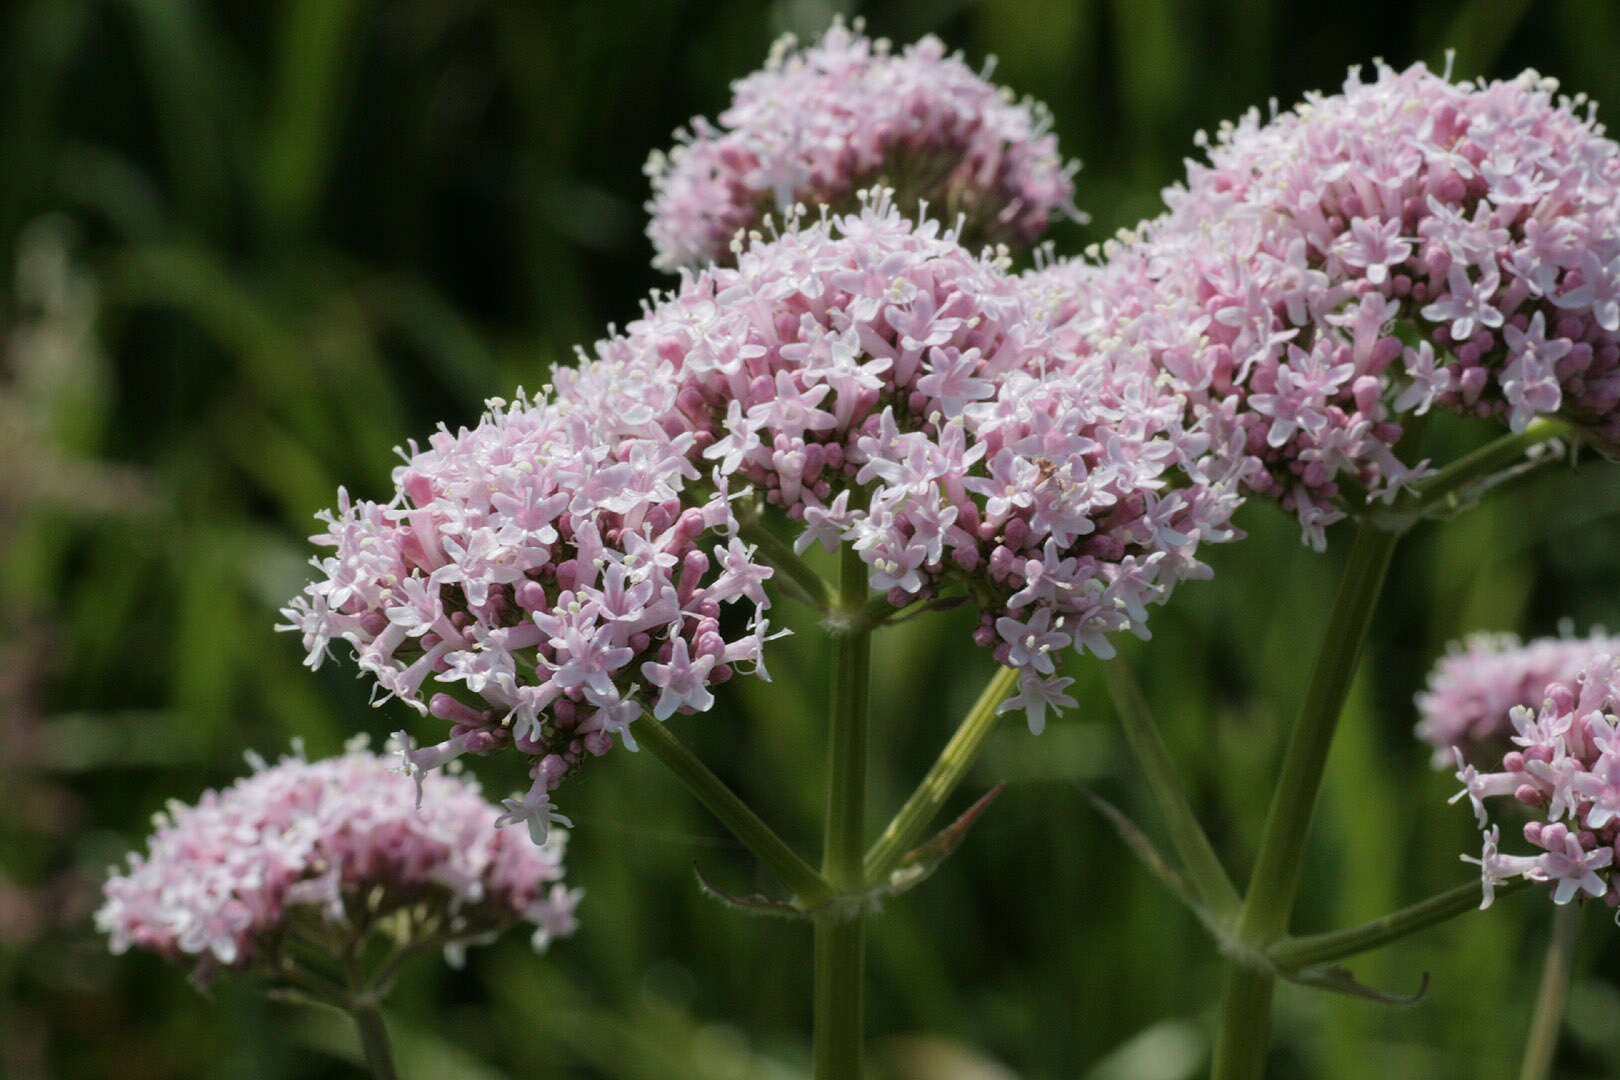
(1448, 483)
(1240, 1045)
(1294, 953)
(1198, 859)
(840, 928)
(905, 831)
(1542, 1043)
(809, 887)
(374, 1039)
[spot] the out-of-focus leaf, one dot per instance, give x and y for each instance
(419, 1054)
(930, 1057)
(1168, 1050)
(189, 77)
(312, 56)
(123, 739)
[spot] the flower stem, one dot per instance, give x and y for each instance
(1240, 1045)
(1542, 1044)
(809, 887)
(903, 833)
(374, 1039)
(1203, 867)
(1293, 953)
(1447, 487)
(840, 928)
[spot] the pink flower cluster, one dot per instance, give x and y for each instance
(1566, 766)
(347, 838)
(565, 563)
(891, 391)
(1405, 244)
(1478, 683)
(557, 565)
(819, 124)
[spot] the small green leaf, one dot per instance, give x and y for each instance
(753, 904)
(919, 863)
(1338, 979)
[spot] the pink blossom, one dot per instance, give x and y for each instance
(819, 124)
(1475, 686)
(979, 437)
(346, 837)
(1563, 769)
(530, 568)
(1484, 217)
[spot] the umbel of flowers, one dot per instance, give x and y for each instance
(1565, 769)
(331, 850)
(1477, 684)
(819, 124)
(563, 565)
(550, 567)
(1408, 243)
(875, 381)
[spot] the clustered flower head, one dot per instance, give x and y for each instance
(1406, 244)
(821, 123)
(889, 390)
(1479, 682)
(1565, 767)
(557, 570)
(348, 842)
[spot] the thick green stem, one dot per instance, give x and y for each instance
(1246, 1016)
(840, 928)
(374, 1040)
(1542, 1044)
(809, 887)
(1245, 1032)
(906, 830)
(1199, 861)
(1294, 953)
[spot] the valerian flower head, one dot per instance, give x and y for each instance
(556, 570)
(1565, 769)
(1478, 683)
(819, 124)
(1406, 244)
(345, 844)
(888, 390)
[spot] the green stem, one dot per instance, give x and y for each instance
(1294, 953)
(907, 827)
(840, 928)
(1446, 487)
(801, 581)
(809, 887)
(1542, 1044)
(374, 1039)
(1203, 867)
(1246, 1015)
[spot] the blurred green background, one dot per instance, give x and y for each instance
(248, 247)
